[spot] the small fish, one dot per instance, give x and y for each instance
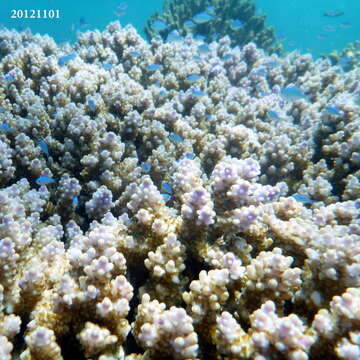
(198, 93)
(146, 167)
(6, 127)
(9, 78)
(167, 188)
(193, 78)
(203, 49)
(119, 13)
(123, 6)
(107, 66)
(321, 36)
(44, 147)
(120, 9)
(273, 115)
(92, 105)
(166, 197)
(291, 43)
(197, 57)
(2, 109)
(282, 37)
(345, 24)
(153, 67)
(210, 10)
(44, 180)
(199, 37)
(159, 25)
(63, 60)
(271, 63)
(189, 25)
(83, 23)
(292, 93)
(173, 36)
(236, 24)
(202, 18)
(134, 53)
(190, 156)
(227, 56)
(303, 199)
(332, 110)
(75, 201)
(329, 28)
(261, 72)
(176, 138)
(333, 13)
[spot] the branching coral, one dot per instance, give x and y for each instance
(143, 216)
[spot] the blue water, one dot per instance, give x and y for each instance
(300, 22)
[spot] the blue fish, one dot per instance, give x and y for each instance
(189, 25)
(210, 10)
(329, 28)
(44, 147)
(272, 115)
(202, 18)
(333, 13)
(261, 72)
(153, 67)
(159, 25)
(203, 49)
(9, 78)
(107, 66)
(176, 138)
(167, 188)
(236, 24)
(173, 36)
(321, 36)
(75, 201)
(134, 53)
(332, 110)
(6, 127)
(83, 23)
(303, 199)
(146, 167)
(293, 93)
(92, 105)
(120, 9)
(190, 156)
(122, 6)
(198, 93)
(227, 56)
(272, 63)
(44, 180)
(199, 37)
(2, 109)
(193, 78)
(63, 60)
(166, 197)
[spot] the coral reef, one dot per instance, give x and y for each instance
(236, 18)
(146, 216)
(348, 58)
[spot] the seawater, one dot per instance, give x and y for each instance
(299, 23)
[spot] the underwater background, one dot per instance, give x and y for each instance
(299, 24)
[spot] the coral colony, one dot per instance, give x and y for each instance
(203, 208)
(213, 19)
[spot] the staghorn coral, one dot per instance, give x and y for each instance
(99, 263)
(176, 13)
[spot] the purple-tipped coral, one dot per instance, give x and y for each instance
(197, 199)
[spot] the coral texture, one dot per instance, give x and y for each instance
(143, 216)
(236, 18)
